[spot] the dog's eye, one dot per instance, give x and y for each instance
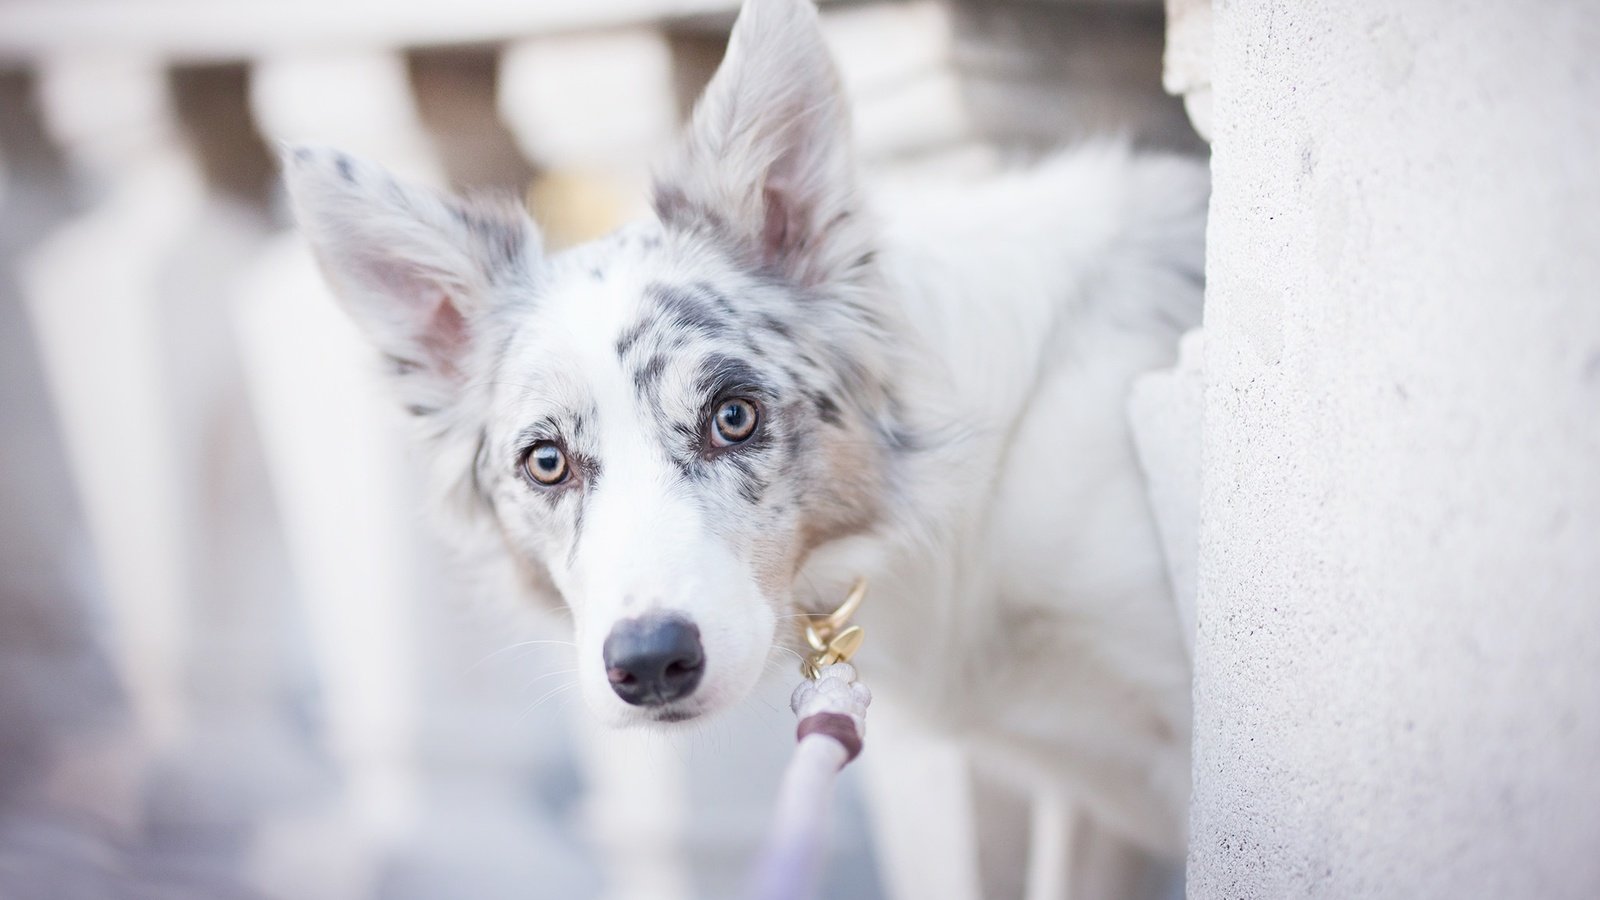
(546, 463)
(734, 422)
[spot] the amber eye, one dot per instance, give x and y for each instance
(546, 463)
(734, 422)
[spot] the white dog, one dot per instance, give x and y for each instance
(709, 421)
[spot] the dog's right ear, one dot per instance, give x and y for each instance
(413, 268)
(767, 159)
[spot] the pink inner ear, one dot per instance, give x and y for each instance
(783, 231)
(775, 229)
(444, 337)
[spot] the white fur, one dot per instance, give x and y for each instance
(975, 345)
(1026, 602)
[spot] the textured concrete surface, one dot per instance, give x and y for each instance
(1398, 686)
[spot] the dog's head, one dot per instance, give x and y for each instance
(666, 422)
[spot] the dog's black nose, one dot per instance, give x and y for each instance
(654, 659)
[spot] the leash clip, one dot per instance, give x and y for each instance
(831, 636)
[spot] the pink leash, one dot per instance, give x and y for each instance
(831, 707)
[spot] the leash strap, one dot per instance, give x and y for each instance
(831, 712)
(831, 706)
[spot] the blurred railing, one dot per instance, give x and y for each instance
(274, 607)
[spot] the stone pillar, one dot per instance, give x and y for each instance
(1398, 653)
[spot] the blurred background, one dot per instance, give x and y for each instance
(234, 660)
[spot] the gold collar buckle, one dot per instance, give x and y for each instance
(831, 636)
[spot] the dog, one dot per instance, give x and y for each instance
(695, 429)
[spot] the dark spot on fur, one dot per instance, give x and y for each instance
(586, 474)
(751, 485)
(687, 309)
(800, 380)
(631, 336)
(752, 489)
(793, 442)
(721, 375)
(715, 296)
(692, 468)
(646, 377)
(399, 365)
(596, 274)
(776, 325)
(691, 443)
(751, 346)
(671, 204)
(693, 217)
(827, 409)
(346, 171)
(419, 410)
(303, 154)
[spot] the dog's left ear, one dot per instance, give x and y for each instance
(767, 159)
(415, 269)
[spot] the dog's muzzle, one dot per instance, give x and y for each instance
(654, 659)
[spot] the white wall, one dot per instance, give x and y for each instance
(1398, 654)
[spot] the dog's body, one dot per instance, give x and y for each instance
(1023, 603)
(697, 427)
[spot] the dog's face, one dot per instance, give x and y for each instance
(665, 423)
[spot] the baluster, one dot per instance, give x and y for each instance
(92, 292)
(895, 62)
(592, 112)
(346, 490)
(1051, 837)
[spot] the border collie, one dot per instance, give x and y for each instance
(713, 420)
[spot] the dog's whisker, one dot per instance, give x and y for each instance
(551, 693)
(793, 653)
(549, 675)
(516, 646)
